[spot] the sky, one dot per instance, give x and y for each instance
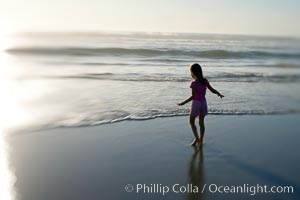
(251, 17)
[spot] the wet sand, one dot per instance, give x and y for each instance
(87, 163)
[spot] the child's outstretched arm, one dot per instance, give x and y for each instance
(189, 99)
(214, 91)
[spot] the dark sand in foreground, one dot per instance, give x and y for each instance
(97, 162)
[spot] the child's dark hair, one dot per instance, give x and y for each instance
(197, 71)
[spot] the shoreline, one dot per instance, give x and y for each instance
(32, 129)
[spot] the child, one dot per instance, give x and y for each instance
(199, 105)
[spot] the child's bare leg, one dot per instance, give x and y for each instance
(194, 142)
(202, 128)
(194, 129)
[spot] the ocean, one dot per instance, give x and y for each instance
(69, 79)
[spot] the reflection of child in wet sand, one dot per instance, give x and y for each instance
(199, 105)
(196, 175)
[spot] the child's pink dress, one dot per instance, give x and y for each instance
(199, 105)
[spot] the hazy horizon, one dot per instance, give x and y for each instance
(99, 31)
(231, 17)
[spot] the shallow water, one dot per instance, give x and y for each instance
(75, 79)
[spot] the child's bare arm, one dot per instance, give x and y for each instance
(213, 90)
(189, 99)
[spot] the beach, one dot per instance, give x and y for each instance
(94, 115)
(98, 162)
(98, 100)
